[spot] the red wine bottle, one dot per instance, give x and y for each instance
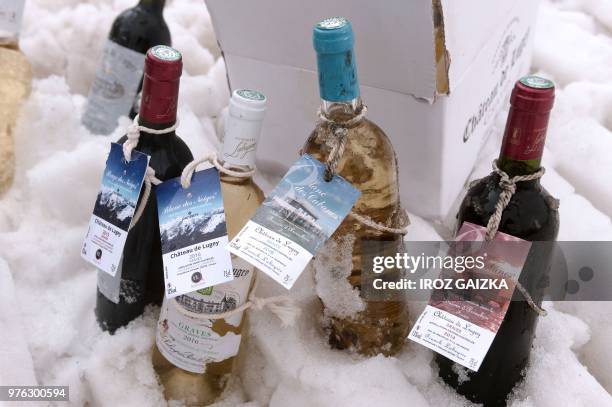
(530, 215)
(118, 82)
(141, 270)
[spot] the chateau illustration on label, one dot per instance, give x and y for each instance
(201, 305)
(305, 208)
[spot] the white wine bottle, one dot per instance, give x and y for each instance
(369, 164)
(195, 355)
(15, 82)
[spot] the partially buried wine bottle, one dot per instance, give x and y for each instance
(15, 81)
(118, 81)
(531, 215)
(140, 280)
(369, 164)
(194, 357)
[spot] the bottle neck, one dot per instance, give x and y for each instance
(523, 143)
(244, 169)
(159, 102)
(157, 126)
(341, 111)
(155, 6)
(240, 141)
(338, 81)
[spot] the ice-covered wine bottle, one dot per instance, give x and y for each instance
(530, 215)
(369, 163)
(115, 89)
(15, 81)
(141, 272)
(194, 357)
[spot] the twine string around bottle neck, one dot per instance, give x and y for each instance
(211, 157)
(280, 305)
(340, 132)
(508, 187)
(133, 136)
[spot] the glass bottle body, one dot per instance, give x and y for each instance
(531, 215)
(142, 280)
(139, 28)
(15, 84)
(370, 165)
(241, 198)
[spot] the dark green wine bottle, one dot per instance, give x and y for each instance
(116, 88)
(530, 215)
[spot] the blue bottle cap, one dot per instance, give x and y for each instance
(333, 40)
(333, 35)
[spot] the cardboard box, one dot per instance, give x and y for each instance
(434, 73)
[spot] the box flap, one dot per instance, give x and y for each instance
(394, 40)
(468, 26)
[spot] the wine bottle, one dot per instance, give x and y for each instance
(369, 164)
(212, 342)
(141, 270)
(115, 89)
(530, 215)
(15, 82)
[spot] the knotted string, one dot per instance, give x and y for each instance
(508, 186)
(340, 136)
(281, 305)
(211, 158)
(133, 135)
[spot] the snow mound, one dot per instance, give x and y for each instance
(47, 293)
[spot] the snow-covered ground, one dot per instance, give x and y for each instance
(47, 293)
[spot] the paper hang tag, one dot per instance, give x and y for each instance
(462, 324)
(193, 234)
(294, 221)
(114, 209)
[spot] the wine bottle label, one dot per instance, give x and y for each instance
(114, 209)
(113, 91)
(189, 341)
(193, 233)
(11, 14)
(460, 324)
(109, 285)
(294, 221)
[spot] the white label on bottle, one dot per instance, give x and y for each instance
(193, 233)
(190, 342)
(11, 13)
(113, 91)
(109, 285)
(462, 324)
(294, 221)
(114, 209)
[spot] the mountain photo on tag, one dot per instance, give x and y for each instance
(114, 209)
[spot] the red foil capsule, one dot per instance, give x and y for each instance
(160, 86)
(531, 102)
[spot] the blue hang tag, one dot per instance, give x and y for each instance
(294, 221)
(193, 234)
(114, 209)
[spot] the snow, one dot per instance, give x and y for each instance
(47, 293)
(332, 266)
